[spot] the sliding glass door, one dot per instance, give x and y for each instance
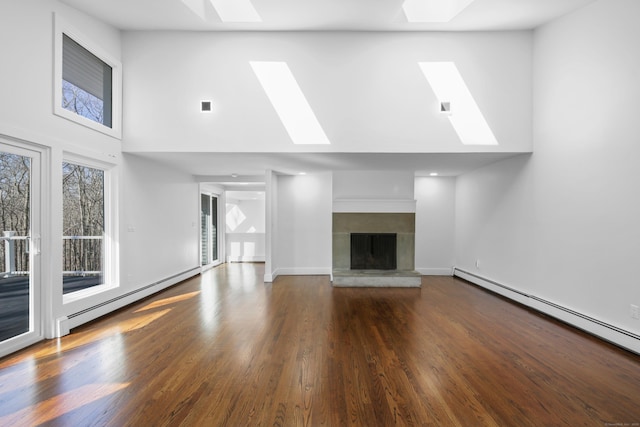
(209, 228)
(19, 247)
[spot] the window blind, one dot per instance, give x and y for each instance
(85, 70)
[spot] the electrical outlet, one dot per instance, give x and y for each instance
(635, 313)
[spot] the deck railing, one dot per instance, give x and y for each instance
(81, 255)
(14, 254)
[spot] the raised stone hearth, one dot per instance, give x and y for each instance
(400, 224)
(376, 278)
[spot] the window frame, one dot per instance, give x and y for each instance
(110, 238)
(62, 27)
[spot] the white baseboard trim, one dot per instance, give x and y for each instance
(607, 332)
(293, 271)
(445, 271)
(62, 327)
(76, 319)
(256, 258)
(305, 271)
(210, 266)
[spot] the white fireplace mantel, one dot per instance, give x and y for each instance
(374, 205)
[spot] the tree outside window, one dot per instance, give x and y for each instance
(83, 226)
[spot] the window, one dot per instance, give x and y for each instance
(87, 246)
(87, 82)
(83, 227)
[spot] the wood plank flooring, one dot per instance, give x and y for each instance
(225, 349)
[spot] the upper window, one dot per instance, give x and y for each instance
(87, 82)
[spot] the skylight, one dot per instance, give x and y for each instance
(289, 102)
(197, 7)
(465, 115)
(229, 11)
(236, 11)
(433, 10)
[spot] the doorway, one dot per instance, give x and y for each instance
(209, 229)
(20, 289)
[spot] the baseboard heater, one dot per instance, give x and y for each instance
(554, 310)
(98, 310)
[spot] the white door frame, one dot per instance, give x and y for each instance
(219, 235)
(37, 298)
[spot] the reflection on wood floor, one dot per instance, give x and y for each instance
(225, 349)
(15, 300)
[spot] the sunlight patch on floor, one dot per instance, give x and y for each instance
(167, 301)
(54, 407)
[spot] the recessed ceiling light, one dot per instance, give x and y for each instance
(433, 174)
(234, 175)
(302, 173)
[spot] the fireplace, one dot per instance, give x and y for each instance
(373, 251)
(399, 225)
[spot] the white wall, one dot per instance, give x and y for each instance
(245, 215)
(435, 224)
(159, 222)
(373, 185)
(245, 229)
(562, 224)
(366, 89)
(304, 224)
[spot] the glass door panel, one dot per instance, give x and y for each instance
(209, 228)
(19, 235)
(205, 218)
(214, 229)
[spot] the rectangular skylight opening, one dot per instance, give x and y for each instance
(289, 101)
(236, 11)
(197, 7)
(433, 11)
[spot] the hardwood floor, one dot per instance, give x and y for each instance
(224, 349)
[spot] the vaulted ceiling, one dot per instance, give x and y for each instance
(325, 15)
(330, 15)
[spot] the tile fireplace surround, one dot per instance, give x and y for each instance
(402, 224)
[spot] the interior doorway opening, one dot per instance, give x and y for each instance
(245, 226)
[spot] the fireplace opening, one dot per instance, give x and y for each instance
(373, 251)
